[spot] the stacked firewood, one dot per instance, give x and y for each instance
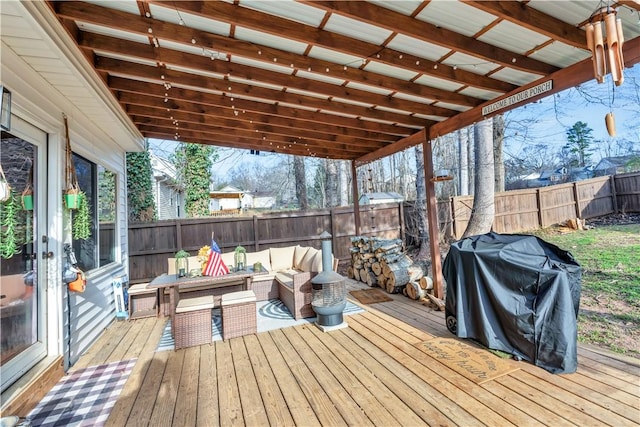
(382, 263)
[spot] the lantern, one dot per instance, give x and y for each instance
(240, 259)
(182, 264)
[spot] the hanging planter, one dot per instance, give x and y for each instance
(27, 199)
(72, 187)
(81, 223)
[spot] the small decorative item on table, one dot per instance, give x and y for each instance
(182, 263)
(240, 258)
(257, 266)
(203, 256)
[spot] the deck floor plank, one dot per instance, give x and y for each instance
(132, 342)
(301, 409)
(208, 406)
(430, 387)
(253, 409)
(341, 351)
(475, 401)
(322, 405)
(376, 372)
(165, 404)
(228, 394)
(272, 398)
(558, 388)
(136, 383)
(326, 352)
(186, 410)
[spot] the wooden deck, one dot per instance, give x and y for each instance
(373, 373)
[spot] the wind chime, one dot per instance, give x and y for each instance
(605, 40)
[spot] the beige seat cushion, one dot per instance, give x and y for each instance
(192, 304)
(298, 254)
(240, 297)
(282, 258)
(227, 258)
(285, 278)
(316, 263)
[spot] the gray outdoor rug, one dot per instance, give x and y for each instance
(272, 314)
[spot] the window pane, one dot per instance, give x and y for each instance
(106, 215)
(99, 186)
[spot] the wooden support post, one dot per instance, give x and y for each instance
(614, 195)
(577, 200)
(356, 202)
(255, 233)
(432, 219)
(539, 202)
(178, 235)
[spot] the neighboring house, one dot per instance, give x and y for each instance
(377, 198)
(226, 198)
(48, 327)
(259, 200)
(616, 165)
(168, 195)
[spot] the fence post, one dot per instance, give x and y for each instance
(401, 221)
(332, 222)
(178, 235)
(454, 225)
(576, 198)
(614, 195)
(539, 202)
(255, 233)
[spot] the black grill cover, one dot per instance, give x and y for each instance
(518, 294)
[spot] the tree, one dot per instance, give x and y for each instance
(301, 184)
(498, 157)
(193, 163)
(331, 183)
(483, 210)
(579, 140)
(140, 203)
(421, 204)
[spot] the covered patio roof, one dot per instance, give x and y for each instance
(350, 80)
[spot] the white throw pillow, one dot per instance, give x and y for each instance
(262, 256)
(307, 260)
(316, 263)
(298, 254)
(282, 258)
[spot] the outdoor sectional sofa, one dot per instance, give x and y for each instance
(289, 273)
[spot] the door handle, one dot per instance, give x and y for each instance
(46, 255)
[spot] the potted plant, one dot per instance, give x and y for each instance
(72, 187)
(27, 198)
(182, 263)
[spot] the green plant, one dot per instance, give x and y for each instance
(9, 241)
(82, 219)
(182, 254)
(193, 163)
(140, 188)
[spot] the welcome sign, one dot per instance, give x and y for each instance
(518, 97)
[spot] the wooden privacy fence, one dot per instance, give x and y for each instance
(150, 244)
(522, 210)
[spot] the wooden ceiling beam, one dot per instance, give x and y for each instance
(221, 106)
(171, 107)
(232, 70)
(279, 26)
(528, 17)
(249, 130)
(394, 21)
(140, 71)
(181, 34)
(212, 132)
(243, 143)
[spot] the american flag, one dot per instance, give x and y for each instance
(215, 266)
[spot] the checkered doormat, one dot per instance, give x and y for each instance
(84, 397)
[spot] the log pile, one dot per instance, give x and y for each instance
(382, 263)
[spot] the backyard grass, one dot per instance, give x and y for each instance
(610, 302)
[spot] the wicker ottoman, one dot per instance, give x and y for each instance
(193, 321)
(142, 302)
(238, 314)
